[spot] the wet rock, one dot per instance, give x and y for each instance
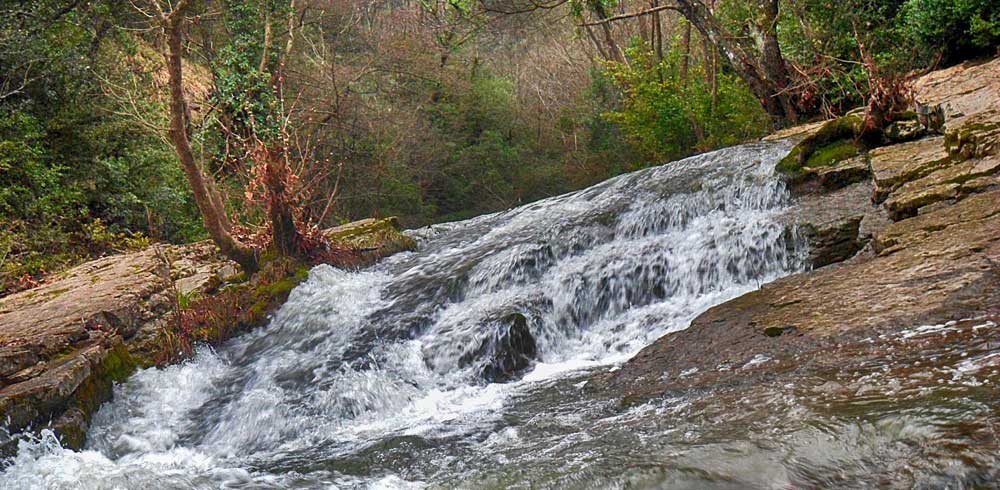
(836, 224)
(906, 233)
(930, 269)
(508, 350)
(944, 184)
(894, 165)
(835, 241)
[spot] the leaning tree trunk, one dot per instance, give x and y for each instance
(768, 78)
(205, 196)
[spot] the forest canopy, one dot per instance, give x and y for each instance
(430, 110)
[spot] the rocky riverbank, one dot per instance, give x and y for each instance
(906, 268)
(64, 344)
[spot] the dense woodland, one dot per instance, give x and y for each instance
(431, 110)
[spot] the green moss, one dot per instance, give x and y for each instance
(237, 278)
(838, 129)
(832, 133)
(302, 274)
(832, 153)
(279, 288)
(790, 165)
(119, 364)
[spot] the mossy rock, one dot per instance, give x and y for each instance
(829, 141)
(973, 139)
(115, 366)
(372, 239)
(904, 130)
(830, 154)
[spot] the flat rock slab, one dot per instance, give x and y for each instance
(106, 294)
(940, 185)
(962, 90)
(894, 165)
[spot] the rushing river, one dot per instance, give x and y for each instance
(464, 365)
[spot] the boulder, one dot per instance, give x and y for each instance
(506, 351)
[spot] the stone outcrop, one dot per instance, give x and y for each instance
(894, 165)
(926, 251)
(63, 344)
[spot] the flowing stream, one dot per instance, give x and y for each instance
(464, 365)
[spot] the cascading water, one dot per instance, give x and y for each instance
(459, 365)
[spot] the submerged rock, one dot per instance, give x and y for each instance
(504, 353)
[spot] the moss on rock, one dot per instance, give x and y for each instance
(828, 142)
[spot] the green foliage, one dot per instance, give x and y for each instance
(825, 39)
(246, 64)
(668, 117)
(483, 150)
(956, 28)
(78, 178)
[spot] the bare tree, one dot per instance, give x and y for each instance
(762, 68)
(271, 173)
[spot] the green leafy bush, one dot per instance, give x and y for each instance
(956, 28)
(668, 117)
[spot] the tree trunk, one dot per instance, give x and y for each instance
(685, 51)
(768, 79)
(615, 54)
(205, 196)
(773, 63)
(285, 236)
(658, 31)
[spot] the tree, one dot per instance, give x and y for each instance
(259, 140)
(763, 69)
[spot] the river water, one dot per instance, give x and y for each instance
(465, 364)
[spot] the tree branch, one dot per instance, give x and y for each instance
(629, 15)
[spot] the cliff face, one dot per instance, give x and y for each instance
(905, 235)
(64, 344)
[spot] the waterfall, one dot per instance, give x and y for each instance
(414, 372)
